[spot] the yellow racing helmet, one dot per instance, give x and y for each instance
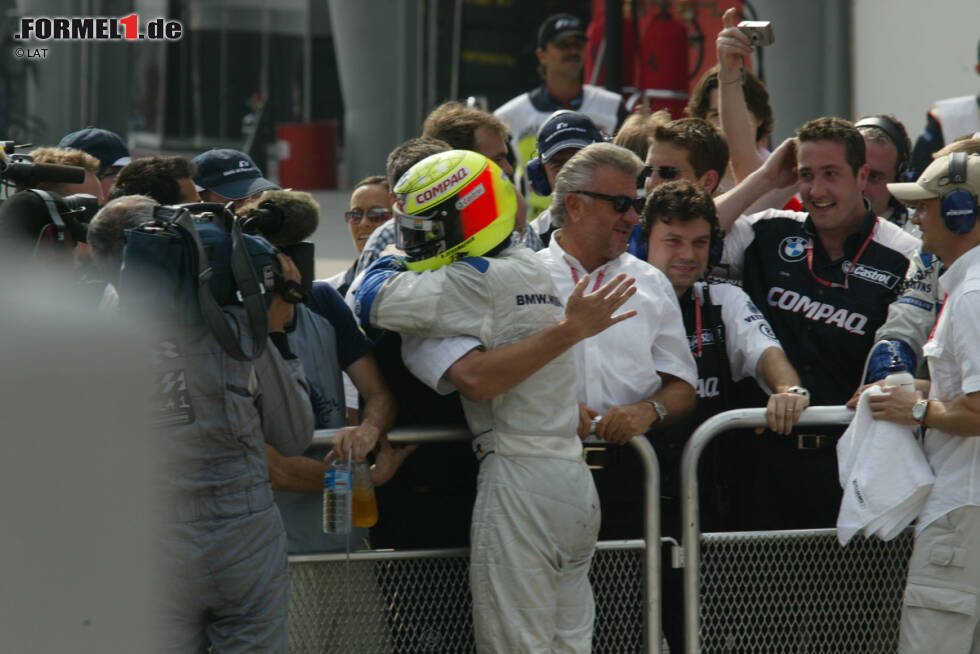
(452, 205)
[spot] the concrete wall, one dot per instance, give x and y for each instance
(808, 68)
(909, 53)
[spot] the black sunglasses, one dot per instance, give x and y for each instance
(663, 172)
(620, 203)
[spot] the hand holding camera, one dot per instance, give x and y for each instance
(736, 41)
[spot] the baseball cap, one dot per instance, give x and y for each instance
(229, 173)
(559, 27)
(566, 129)
(106, 146)
(938, 179)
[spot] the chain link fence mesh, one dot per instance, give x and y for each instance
(422, 605)
(801, 592)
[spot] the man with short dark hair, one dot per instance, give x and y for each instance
(561, 58)
(943, 586)
(824, 280)
(166, 179)
(687, 148)
(730, 340)
(225, 175)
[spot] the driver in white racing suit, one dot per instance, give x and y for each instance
(536, 516)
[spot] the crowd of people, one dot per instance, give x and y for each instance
(560, 278)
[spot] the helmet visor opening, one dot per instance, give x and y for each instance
(419, 235)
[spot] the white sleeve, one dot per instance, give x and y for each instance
(671, 351)
(736, 242)
(965, 339)
(430, 358)
(747, 332)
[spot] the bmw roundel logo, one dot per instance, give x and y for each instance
(792, 248)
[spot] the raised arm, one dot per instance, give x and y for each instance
(736, 120)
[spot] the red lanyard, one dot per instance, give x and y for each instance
(598, 279)
(697, 320)
(852, 266)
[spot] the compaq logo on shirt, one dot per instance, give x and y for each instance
(875, 276)
(442, 187)
(708, 387)
(537, 298)
(816, 311)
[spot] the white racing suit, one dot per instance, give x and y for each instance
(536, 517)
(222, 542)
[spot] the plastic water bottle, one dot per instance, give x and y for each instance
(898, 375)
(364, 504)
(337, 496)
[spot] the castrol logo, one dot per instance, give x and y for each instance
(441, 188)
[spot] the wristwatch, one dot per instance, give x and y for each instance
(659, 408)
(919, 411)
(799, 390)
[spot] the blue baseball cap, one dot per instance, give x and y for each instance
(229, 173)
(566, 129)
(108, 147)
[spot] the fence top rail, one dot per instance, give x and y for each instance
(407, 435)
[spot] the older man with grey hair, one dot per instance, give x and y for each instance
(107, 238)
(635, 379)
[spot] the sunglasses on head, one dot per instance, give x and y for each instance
(377, 215)
(663, 172)
(620, 203)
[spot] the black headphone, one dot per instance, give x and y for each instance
(894, 134)
(537, 178)
(959, 206)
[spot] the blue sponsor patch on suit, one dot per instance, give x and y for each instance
(915, 302)
(480, 264)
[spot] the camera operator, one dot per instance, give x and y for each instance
(90, 185)
(222, 546)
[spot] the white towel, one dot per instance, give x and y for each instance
(884, 473)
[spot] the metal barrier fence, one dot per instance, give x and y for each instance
(787, 591)
(419, 601)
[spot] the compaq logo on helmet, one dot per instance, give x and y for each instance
(442, 187)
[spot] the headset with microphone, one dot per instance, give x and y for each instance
(958, 206)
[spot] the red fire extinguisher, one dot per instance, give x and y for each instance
(661, 74)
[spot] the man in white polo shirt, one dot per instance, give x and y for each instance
(637, 377)
(942, 597)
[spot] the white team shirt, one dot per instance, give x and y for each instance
(954, 365)
(621, 364)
